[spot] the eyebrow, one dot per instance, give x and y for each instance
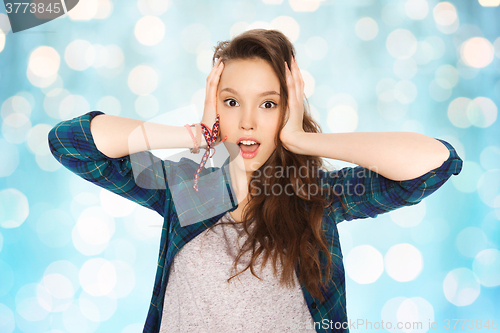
(266, 93)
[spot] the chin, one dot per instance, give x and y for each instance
(253, 166)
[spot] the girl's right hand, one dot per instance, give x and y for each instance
(210, 110)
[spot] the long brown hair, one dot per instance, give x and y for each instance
(286, 228)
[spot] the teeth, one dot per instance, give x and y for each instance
(248, 143)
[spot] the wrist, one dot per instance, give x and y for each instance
(208, 122)
(293, 141)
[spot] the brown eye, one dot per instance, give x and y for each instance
(230, 100)
(269, 103)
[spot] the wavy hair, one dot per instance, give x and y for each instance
(284, 228)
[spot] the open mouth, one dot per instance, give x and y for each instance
(249, 148)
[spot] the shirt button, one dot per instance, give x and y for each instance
(313, 305)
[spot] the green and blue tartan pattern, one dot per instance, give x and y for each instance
(71, 143)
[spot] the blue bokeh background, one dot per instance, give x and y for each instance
(75, 258)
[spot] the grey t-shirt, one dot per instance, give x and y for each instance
(198, 296)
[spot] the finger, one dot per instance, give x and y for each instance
(212, 87)
(297, 88)
(214, 76)
(215, 67)
(217, 62)
(299, 74)
(298, 80)
(292, 91)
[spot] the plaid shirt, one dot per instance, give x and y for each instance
(72, 145)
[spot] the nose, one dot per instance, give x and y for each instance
(247, 121)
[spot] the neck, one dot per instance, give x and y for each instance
(239, 179)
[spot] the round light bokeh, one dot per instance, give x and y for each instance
(143, 80)
(149, 30)
(477, 52)
(10, 160)
(115, 205)
(153, 7)
(125, 281)
(44, 62)
(416, 9)
(405, 69)
(84, 11)
(16, 104)
(486, 266)
(14, 208)
(288, 26)
(36, 139)
(407, 312)
(447, 76)
(445, 15)
(435, 230)
(55, 292)
(469, 177)
(490, 157)
(147, 106)
(73, 106)
(304, 6)
(461, 287)
(194, 37)
(488, 187)
(409, 216)
(470, 241)
(342, 119)
(143, 223)
(93, 230)
(364, 264)
(7, 322)
(393, 13)
(405, 92)
(403, 262)
(110, 104)
(80, 54)
(96, 309)
(401, 44)
(316, 48)
(366, 28)
(27, 305)
(16, 127)
(7, 275)
(98, 277)
(54, 228)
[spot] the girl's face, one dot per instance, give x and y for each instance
(248, 102)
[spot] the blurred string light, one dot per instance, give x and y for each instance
(431, 71)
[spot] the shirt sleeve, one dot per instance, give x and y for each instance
(360, 193)
(138, 177)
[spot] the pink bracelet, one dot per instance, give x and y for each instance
(196, 141)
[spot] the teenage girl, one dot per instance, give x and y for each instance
(270, 259)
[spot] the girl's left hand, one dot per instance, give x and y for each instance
(293, 127)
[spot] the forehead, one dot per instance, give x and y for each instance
(256, 72)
